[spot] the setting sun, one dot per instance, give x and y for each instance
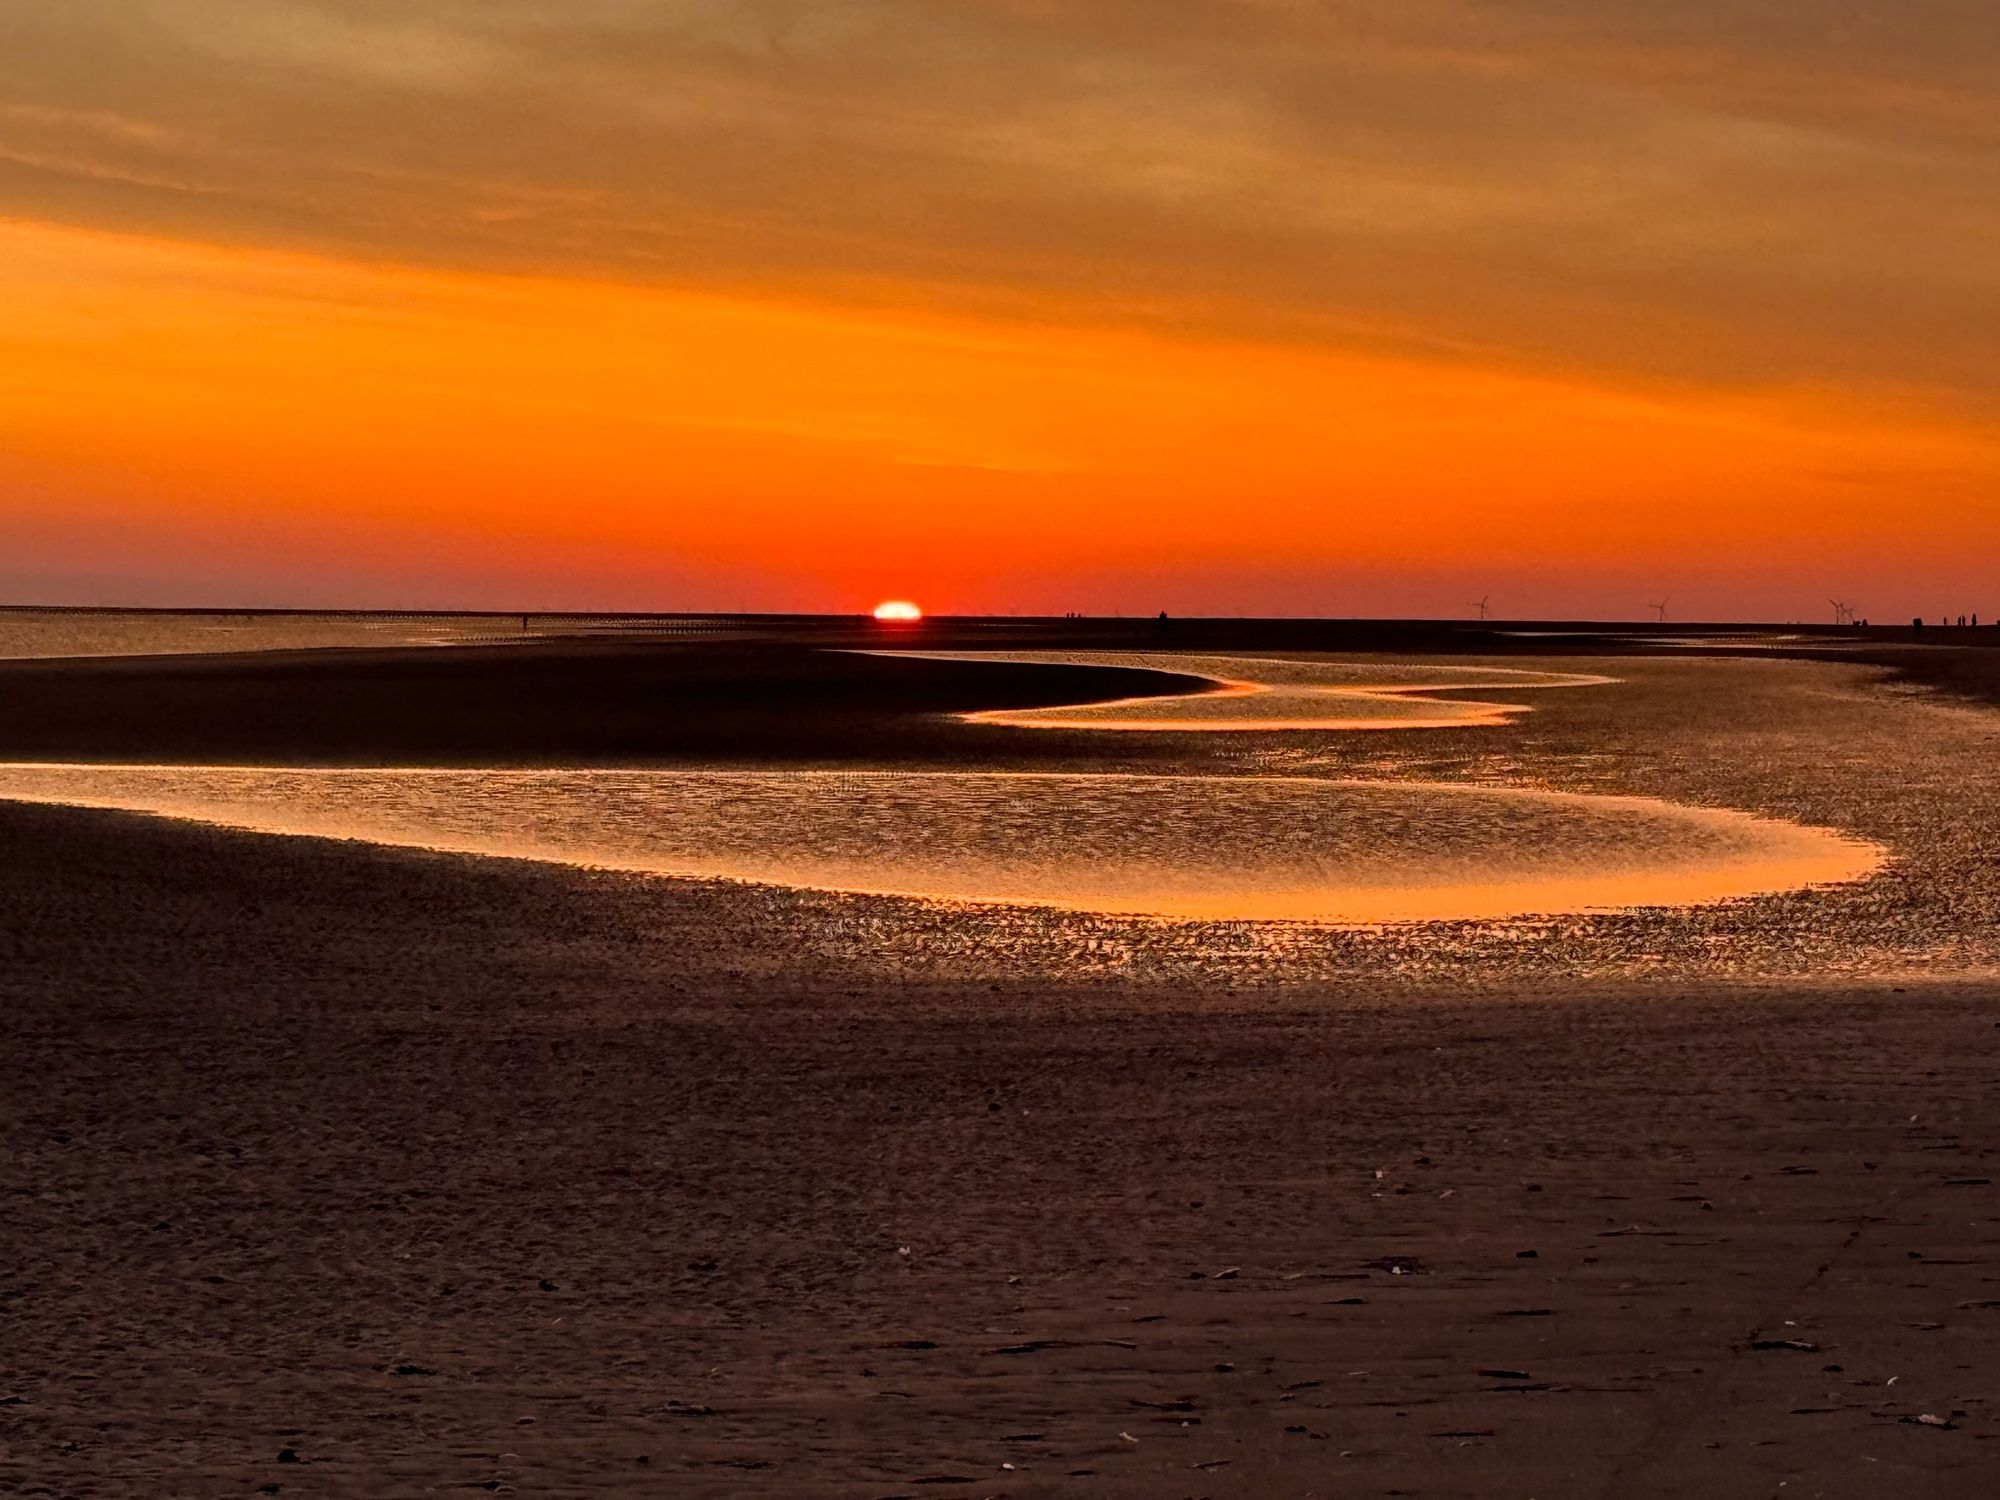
(898, 612)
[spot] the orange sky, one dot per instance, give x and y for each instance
(1274, 307)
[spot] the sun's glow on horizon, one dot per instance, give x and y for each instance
(898, 612)
(221, 437)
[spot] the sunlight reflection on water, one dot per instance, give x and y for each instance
(1267, 693)
(1337, 852)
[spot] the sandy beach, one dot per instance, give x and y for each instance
(347, 1171)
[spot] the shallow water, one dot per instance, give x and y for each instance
(1819, 744)
(56, 633)
(1823, 744)
(1279, 693)
(1208, 848)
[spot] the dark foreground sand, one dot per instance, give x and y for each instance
(558, 703)
(338, 1171)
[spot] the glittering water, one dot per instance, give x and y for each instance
(1235, 848)
(1799, 746)
(1249, 693)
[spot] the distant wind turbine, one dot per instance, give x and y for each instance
(1843, 613)
(1480, 605)
(1661, 608)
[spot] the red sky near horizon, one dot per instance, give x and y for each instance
(1224, 306)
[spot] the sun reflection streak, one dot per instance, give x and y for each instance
(1245, 693)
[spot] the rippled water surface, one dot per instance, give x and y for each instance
(1280, 693)
(1237, 848)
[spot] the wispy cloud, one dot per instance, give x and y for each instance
(1721, 190)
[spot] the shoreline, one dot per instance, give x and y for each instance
(783, 696)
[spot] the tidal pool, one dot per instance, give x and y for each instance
(1265, 693)
(1190, 847)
